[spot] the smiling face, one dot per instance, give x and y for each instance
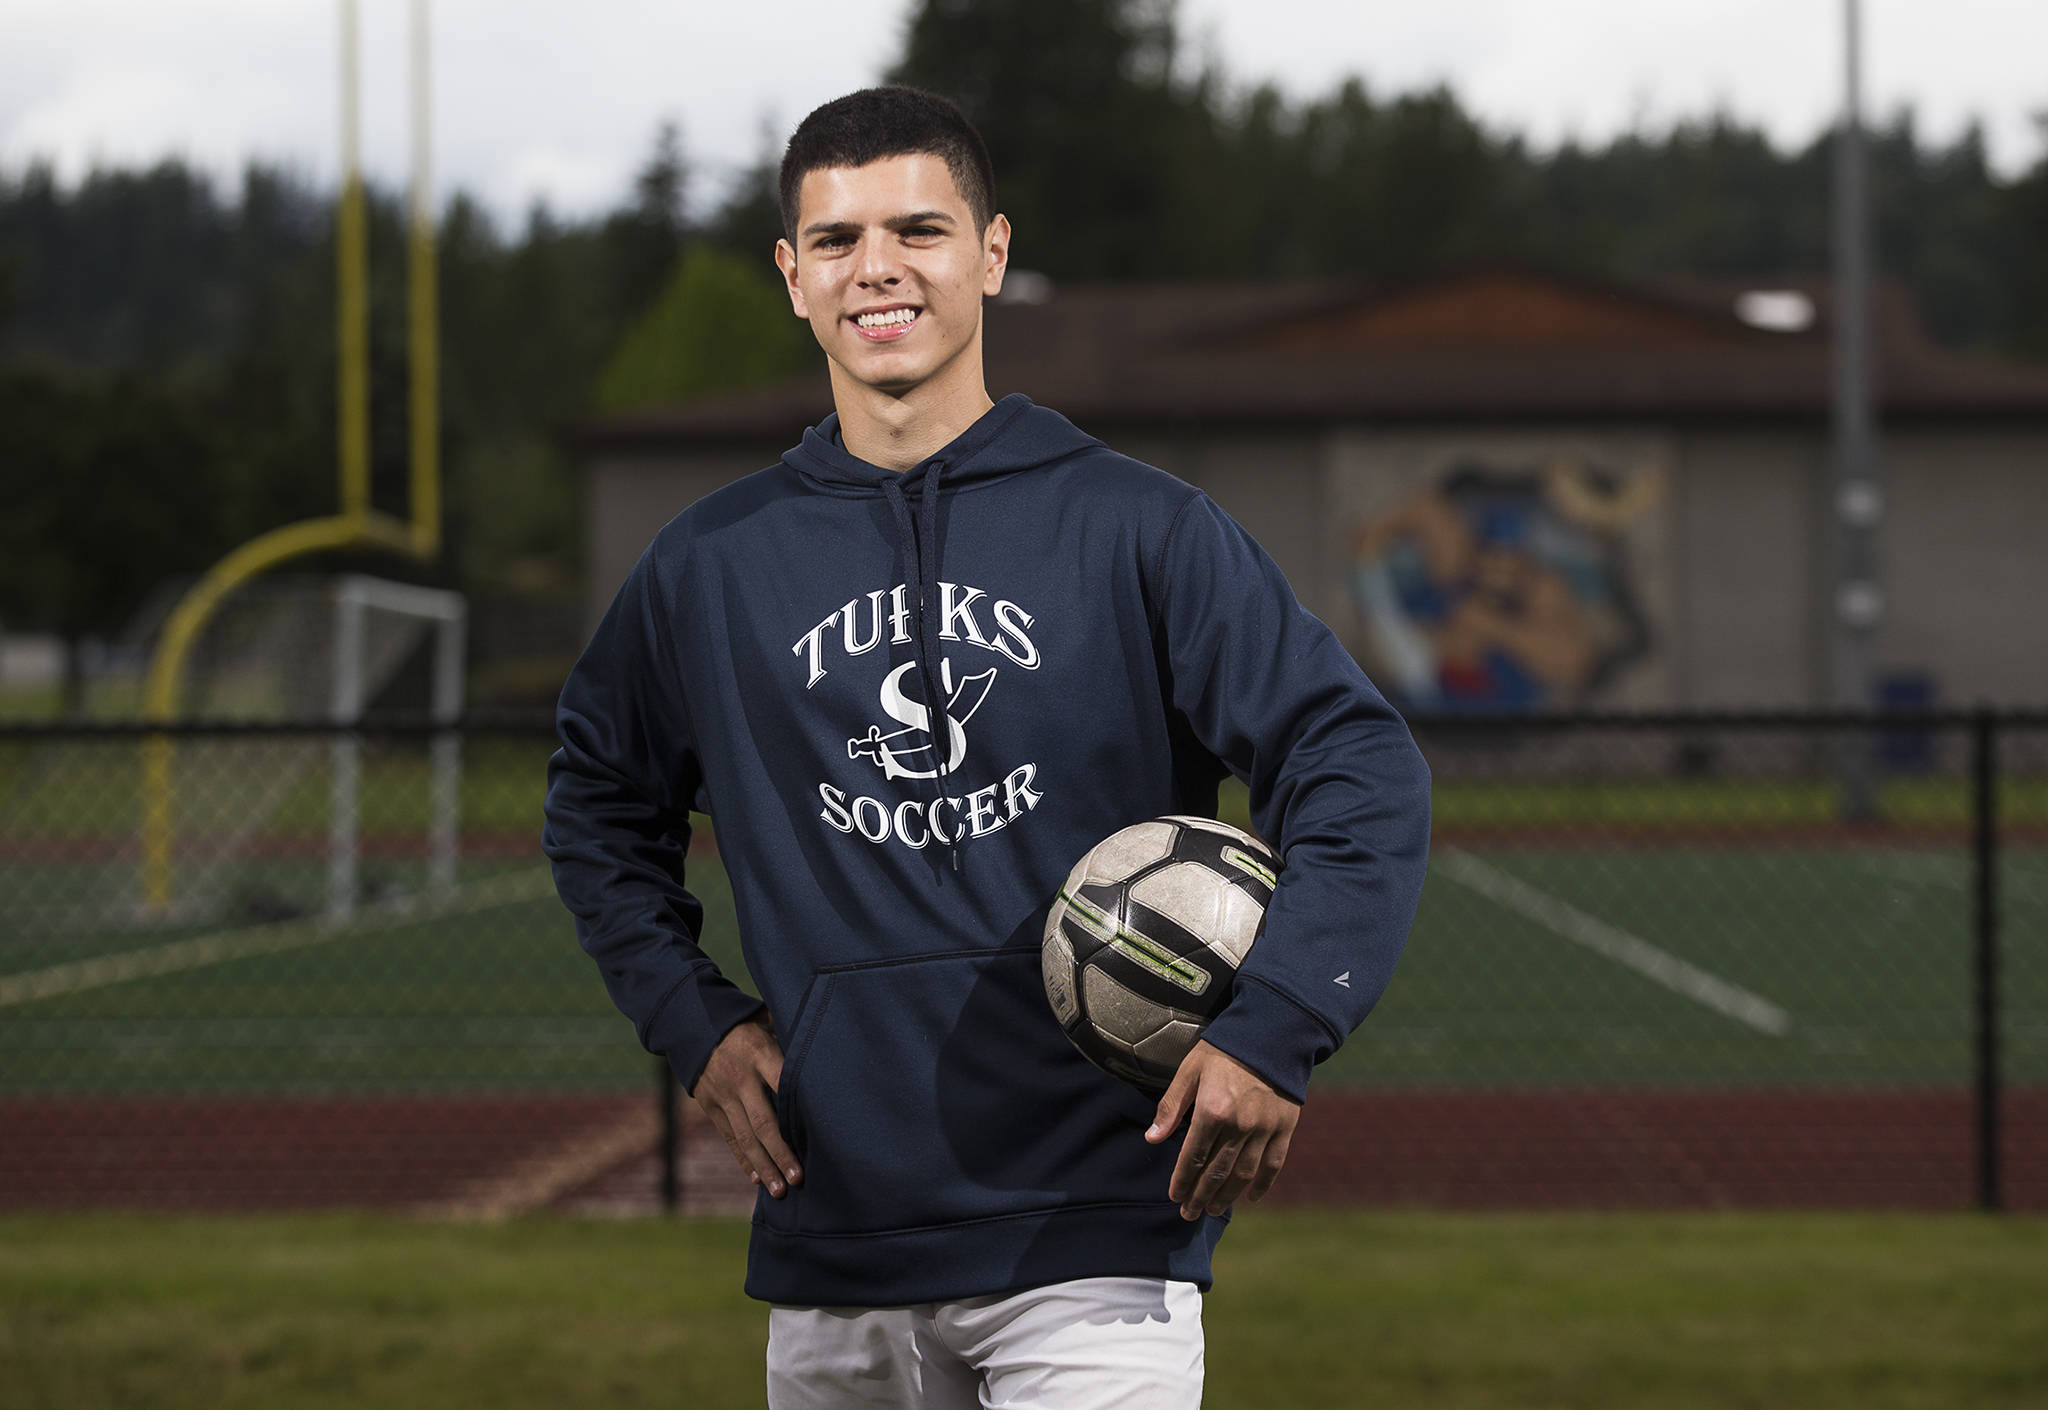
(890, 270)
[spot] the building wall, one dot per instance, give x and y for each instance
(631, 497)
(1270, 481)
(1273, 484)
(1963, 553)
(1961, 558)
(1747, 571)
(1730, 569)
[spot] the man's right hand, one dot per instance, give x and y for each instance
(737, 1091)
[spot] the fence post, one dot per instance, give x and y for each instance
(671, 1137)
(1984, 761)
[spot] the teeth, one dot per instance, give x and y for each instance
(886, 320)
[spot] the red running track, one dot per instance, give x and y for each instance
(1542, 1148)
(282, 1153)
(1609, 1149)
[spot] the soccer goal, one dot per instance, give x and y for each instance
(265, 825)
(376, 625)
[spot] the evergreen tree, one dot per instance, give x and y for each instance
(1087, 131)
(106, 487)
(144, 299)
(2023, 219)
(1406, 187)
(721, 324)
(645, 239)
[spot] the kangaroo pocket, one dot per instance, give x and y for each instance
(939, 1089)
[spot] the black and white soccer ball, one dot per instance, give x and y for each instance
(1144, 940)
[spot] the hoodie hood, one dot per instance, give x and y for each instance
(1013, 435)
(1010, 437)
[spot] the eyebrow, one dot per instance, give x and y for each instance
(847, 227)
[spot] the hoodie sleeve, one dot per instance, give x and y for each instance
(1337, 786)
(619, 794)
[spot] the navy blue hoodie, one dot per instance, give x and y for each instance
(1106, 642)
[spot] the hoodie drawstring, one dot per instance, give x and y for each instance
(922, 551)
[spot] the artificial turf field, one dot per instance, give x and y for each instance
(1636, 946)
(1717, 963)
(1310, 1309)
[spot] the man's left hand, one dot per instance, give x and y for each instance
(1238, 1132)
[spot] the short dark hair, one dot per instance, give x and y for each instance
(894, 121)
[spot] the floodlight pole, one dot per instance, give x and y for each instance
(1858, 499)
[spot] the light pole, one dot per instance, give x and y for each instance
(1858, 498)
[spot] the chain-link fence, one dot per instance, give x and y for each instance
(1721, 961)
(1685, 960)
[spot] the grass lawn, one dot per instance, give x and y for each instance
(1311, 1309)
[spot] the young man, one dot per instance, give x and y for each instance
(956, 1208)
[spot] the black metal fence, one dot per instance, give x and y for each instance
(1812, 953)
(1682, 959)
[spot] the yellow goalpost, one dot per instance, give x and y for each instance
(358, 525)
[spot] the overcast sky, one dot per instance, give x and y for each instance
(559, 100)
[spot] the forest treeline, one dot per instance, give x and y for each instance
(167, 348)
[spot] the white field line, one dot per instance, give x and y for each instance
(546, 1175)
(223, 946)
(1629, 951)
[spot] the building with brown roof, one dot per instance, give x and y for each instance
(1511, 489)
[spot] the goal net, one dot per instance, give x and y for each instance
(269, 826)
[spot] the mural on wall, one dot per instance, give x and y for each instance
(1503, 586)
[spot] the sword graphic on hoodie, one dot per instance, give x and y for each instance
(911, 752)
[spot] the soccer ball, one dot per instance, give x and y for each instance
(1144, 938)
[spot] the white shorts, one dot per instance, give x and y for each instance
(1112, 1343)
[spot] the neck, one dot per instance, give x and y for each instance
(901, 430)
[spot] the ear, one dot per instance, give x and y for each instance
(785, 260)
(995, 255)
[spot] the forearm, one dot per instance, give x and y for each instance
(618, 864)
(618, 826)
(1337, 785)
